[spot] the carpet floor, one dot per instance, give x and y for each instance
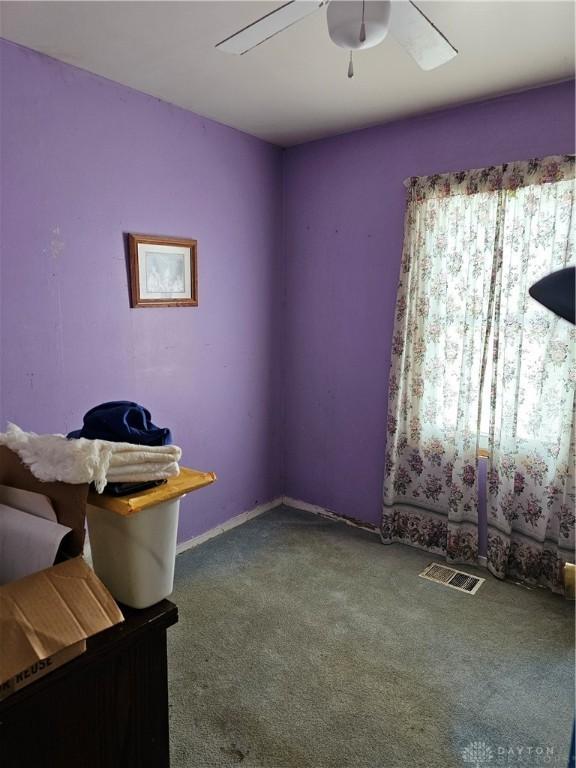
(305, 643)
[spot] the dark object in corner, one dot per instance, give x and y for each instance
(122, 421)
(108, 707)
(123, 489)
(556, 293)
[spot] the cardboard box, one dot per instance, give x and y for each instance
(30, 534)
(69, 501)
(46, 618)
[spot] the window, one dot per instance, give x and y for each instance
(477, 255)
(475, 358)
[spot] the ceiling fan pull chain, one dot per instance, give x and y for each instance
(351, 66)
(363, 25)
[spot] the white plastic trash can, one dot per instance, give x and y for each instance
(134, 555)
(133, 538)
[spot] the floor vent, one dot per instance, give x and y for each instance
(450, 577)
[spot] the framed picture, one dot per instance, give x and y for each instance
(163, 271)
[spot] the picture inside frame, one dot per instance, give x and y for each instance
(163, 271)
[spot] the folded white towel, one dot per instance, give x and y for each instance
(153, 455)
(139, 474)
(146, 471)
(55, 458)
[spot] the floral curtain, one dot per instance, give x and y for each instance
(449, 307)
(531, 443)
(430, 495)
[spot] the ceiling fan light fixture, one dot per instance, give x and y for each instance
(346, 17)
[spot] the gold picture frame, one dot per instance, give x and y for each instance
(163, 271)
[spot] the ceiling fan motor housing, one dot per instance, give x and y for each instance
(345, 19)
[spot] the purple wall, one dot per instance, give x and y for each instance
(83, 161)
(344, 228)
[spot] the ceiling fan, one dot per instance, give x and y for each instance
(354, 25)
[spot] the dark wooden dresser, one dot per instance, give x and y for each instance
(106, 708)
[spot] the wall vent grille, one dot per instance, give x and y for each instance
(450, 577)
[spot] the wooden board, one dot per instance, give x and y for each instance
(187, 481)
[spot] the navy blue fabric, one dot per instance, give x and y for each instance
(121, 421)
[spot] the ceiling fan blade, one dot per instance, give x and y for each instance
(268, 26)
(418, 35)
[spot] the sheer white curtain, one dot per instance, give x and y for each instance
(531, 443)
(474, 242)
(430, 493)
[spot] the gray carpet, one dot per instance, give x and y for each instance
(304, 643)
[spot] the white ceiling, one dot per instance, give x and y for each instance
(294, 88)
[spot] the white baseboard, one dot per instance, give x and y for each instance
(288, 501)
(243, 517)
(323, 512)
